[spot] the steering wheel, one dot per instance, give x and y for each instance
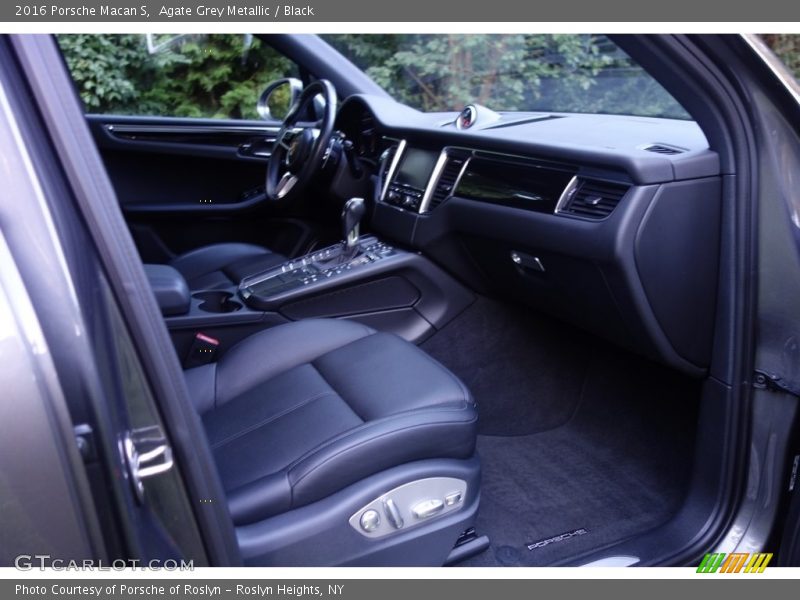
(298, 153)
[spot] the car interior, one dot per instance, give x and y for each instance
(468, 338)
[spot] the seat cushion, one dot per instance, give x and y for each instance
(223, 265)
(299, 411)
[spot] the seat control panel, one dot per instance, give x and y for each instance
(410, 505)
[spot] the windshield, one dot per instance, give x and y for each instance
(553, 73)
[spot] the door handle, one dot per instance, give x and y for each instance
(147, 454)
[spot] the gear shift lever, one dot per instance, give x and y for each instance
(352, 213)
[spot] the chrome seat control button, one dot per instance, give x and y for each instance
(452, 499)
(393, 513)
(427, 508)
(419, 503)
(370, 520)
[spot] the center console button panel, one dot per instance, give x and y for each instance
(404, 196)
(323, 265)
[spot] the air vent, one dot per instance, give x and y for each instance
(447, 179)
(594, 199)
(664, 149)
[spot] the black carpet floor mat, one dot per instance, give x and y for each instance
(525, 371)
(577, 437)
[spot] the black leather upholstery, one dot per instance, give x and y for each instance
(221, 265)
(299, 411)
(170, 289)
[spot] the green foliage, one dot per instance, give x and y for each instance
(102, 67)
(570, 73)
(218, 76)
(223, 75)
(787, 47)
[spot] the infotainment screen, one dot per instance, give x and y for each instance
(416, 167)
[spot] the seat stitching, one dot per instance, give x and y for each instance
(312, 363)
(272, 418)
(461, 385)
(370, 440)
(214, 391)
(325, 379)
(306, 361)
(467, 396)
(370, 424)
(287, 469)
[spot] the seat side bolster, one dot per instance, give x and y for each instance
(262, 498)
(201, 383)
(366, 450)
(441, 432)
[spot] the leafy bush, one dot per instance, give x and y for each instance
(217, 76)
(787, 47)
(570, 73)
(222, 75)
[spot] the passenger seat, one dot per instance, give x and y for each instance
(337, 444)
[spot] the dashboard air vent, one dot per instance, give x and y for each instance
(447, 179)
(594, 199)
(663, 149)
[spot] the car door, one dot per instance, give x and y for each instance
(105, 465)
(175, 119)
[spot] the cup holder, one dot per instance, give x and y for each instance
(217, 302)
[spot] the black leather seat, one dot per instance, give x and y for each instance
(302, 410)
(223, 265)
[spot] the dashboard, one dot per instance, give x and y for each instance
(608, 222)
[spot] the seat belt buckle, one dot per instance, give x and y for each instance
(202, 352)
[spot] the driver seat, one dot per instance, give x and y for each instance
(222, 265)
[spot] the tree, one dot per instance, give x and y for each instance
(191, 76)
(223, 75)
(787, 47)
(566, 73)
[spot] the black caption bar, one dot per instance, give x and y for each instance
(443, 11)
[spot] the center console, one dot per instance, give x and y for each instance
(364, 279)
(315, 272)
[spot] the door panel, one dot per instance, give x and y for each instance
(184, 183)
(173, 165)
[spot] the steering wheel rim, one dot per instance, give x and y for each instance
(297, 156)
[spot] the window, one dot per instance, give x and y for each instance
(787, 47)
(560, 73)
(213, 76)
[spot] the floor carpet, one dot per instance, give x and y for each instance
(575, 435)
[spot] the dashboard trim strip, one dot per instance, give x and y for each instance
(462, 171)
(433, 180)
(572, 185)
(401, 146)
(122, 129)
